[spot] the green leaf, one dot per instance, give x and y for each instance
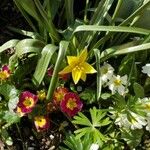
(31, 9)
(99, 82)
(88, 95)
(69, 11)
(13, 62)
(61, 55)
(138, 90)
(132, 137)
(9, 44)
(112, 29)
(43, 63)
(98, 119)
(29, 46)
(6, 137)
(11, 118)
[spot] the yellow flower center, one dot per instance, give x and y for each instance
(4, 75)
(40, 121)
(147, 106)
(28, 102)
(79, 67)
(71, 104)
(117, 82)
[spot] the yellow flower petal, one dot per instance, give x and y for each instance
(72, 60)
(66, 70)
(76, 75)
(88, 68)
(83, 76)
(83, 55)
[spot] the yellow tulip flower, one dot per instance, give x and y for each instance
(78, 66)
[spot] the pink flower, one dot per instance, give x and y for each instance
(59, 94)
(71, 104)
(42, 123)
(27, 101)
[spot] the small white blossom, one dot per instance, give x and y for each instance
(94, 147)
(146, 69)
(117, 84)
(106, 72)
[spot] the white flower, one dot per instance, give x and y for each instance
(117, 84)
(94, 147)
(122, 120)
(106, 72)
(137, 121)
(146, 69)
(132, 121)
(145, 104)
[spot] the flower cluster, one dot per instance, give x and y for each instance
(115, 83)
(68, 102)
(4, 73)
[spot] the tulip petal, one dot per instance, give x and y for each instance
(72, 60)
(83, 55)
(88, 68)
(66, 70)
(76, 75)
(83, 77)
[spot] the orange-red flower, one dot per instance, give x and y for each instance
(71, 104)
(42, 123)
(4, 73)
(59, 94)
(27, 101)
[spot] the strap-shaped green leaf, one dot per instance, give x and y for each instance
(61, 55)
(112, 29)
(43, 63)
(29, 46)
(99, 83)
(9, 44)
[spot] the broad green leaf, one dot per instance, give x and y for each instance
(29, 46)
(43, 63)
(61, 55)
(138, 90)
(9, 44)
